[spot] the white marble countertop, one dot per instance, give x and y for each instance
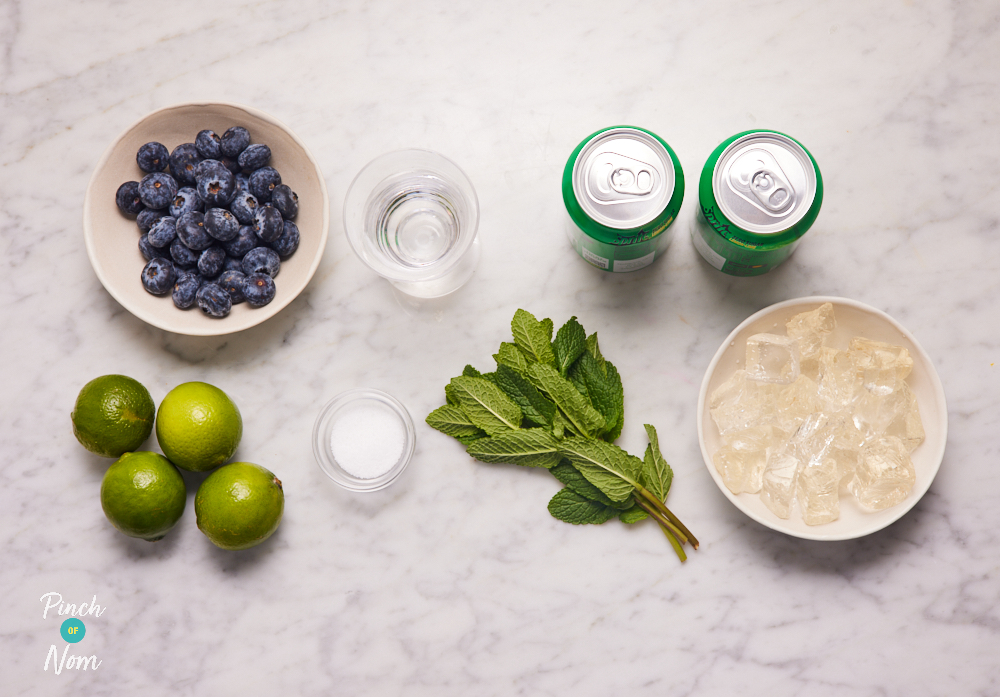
(456, 581)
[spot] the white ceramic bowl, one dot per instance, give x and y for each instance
(853, 319)
(112, 238)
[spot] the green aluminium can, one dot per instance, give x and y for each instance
(760, 191)
(622, 187)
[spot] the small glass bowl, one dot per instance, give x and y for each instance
(324, 426)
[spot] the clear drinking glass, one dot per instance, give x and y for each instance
(412, 216)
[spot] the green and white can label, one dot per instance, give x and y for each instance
(759, 193)
(622, 187)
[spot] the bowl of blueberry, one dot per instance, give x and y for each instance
(206, 219)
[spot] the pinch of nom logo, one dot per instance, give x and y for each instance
(72, 630)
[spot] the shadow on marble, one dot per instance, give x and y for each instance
(846, 557)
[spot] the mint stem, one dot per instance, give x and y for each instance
(666, 527)
(661, 507)
(661, 519)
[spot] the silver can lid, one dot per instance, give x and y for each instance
(623, 178)
(764, 182)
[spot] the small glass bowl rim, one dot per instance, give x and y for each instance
(321, 440)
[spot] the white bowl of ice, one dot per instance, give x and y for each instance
(853, 319)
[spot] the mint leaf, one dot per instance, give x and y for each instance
(606, 466)
(511, 356)
(656, 473)
(547, 327)
(530, 447)
(532, 337)
(594, 349)
(574, 481)
(578, 411)
(604, 387)
(535, 408)
(570, 343)
(486, 405)
(449, 395)
(469, 440)
(452, 421)
(570, 507)
(632, 515)
(471, 372)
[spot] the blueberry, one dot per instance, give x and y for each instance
(267, 223)
(217, 188)
(183, 256)
(157, 190)
(235, 141)
(147, 219)
(245, 240)
(243, 182)
(244, 206)
(182, 163)
(232, 283)
(258, 289)
(232, 264)
(149, 252)
(152, 157)
(286, 201)
(261, 260)
(185, 287)
(286, 245)
(262, 183)
(221, 224)
(191, 231)
(207, 143)
(185, 200)
(158, 276)
(213, 300)
(211, 260)
(164, 232)
(207, 168)
(254, 157)
(127, 198)
(230, 163)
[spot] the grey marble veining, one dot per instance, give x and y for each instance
(456, 580)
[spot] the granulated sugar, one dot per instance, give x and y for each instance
(367, 439)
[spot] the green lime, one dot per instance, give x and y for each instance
(239, 505)
(113, 414)
(143, 495)
(198, 426)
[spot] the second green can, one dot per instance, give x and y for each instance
(622, 187)
(760, 191)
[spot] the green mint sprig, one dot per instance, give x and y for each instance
(558, 404)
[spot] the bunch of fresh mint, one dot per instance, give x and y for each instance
(559, 404)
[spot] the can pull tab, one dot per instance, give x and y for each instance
(618, 178)
(758, 174)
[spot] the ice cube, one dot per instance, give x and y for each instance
(739, 403)
(818, 491)
(906, 423)
(811, 329)
(772, 358)
(838, 380)
(741, 460)
(884, 476)
(883, 367)
(794, 403)
(778, 486)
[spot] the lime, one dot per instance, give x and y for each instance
(113, 414)
(239, 505)
(143, 495)
(198, 426)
